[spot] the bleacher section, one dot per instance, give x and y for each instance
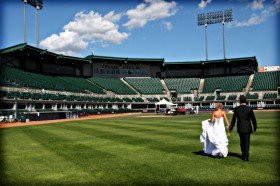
(252, 96)
(153, 99)
(34, 80)
(225, 84)
(210, 98)
(182, 85)
(221, 98)
(187, 99)
(146, 85)
(60, 97)
(113, 84)
(201, 98)
(232, 97)
(270, 96)
(82, 84)
(41, 92)
(40, 81)
(266, 81)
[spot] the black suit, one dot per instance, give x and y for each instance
(246, 124)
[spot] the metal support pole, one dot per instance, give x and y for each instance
(206, 43)
(224, 42)
(24, 22)
(37, 26)
(16, 107)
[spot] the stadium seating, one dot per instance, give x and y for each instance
(47, 82)
(221, 98)
(127, 99)
(150, 99)
(176, 99)
(201, 98)
(226, 84)
(12, 95)
(146, 85)
(25, 95)
(210, 98)
(137, 99)
(187, 99)
(36, 96)
(3, 93)
(266, 81)
(270, 96)
(166, 98)
(232, 97)
(252, 96)
(182, 85)
(31, 80)
(112, 84)
(82, 84)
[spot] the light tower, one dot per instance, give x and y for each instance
(213, 18)
(38, 5)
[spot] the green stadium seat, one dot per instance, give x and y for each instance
(146, 85)
(182, 85)
(266, 81)
(226, 84)
(115, 85)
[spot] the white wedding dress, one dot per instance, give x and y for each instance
(214, 138)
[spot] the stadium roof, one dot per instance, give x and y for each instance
(230, 60)
(30, 50)
(148, 60)
(37, 51)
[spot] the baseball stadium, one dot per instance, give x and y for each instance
(111, 120)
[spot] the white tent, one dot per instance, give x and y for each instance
(164, 102)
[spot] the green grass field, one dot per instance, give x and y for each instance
(135, 151)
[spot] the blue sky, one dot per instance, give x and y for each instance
(147, 28)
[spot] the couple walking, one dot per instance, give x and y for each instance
(214, 137)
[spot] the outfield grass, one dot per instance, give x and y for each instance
(135, 150)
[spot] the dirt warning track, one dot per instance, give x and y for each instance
(23, 124)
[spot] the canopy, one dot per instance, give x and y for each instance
(163, 102)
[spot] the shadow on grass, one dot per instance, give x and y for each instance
(230, 154)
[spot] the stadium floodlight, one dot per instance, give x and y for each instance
(35, 3)
(38, 5)
(213, 18)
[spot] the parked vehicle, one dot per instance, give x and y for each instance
(181, 110)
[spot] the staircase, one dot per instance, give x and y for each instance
(201, 85)
(249, 84)
(167, 92)
(130, 87)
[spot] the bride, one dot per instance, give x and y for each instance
(213, 137)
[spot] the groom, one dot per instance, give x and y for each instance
(246, 124)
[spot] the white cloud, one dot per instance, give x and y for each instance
(149, 10)
(257, 4)
(203, 3)
(256, 19)
(84, 29)
(253, 20)
(67, 43)
(93, 27)
(168, 25)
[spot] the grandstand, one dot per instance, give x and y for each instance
(266, 81)
(146, 85)
(182, 85)
(225, 84)
(56, 86)
(115, 85)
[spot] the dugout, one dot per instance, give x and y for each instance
(40, 116)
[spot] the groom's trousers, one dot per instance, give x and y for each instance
(245, 144)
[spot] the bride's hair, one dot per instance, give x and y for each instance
(218, 105)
